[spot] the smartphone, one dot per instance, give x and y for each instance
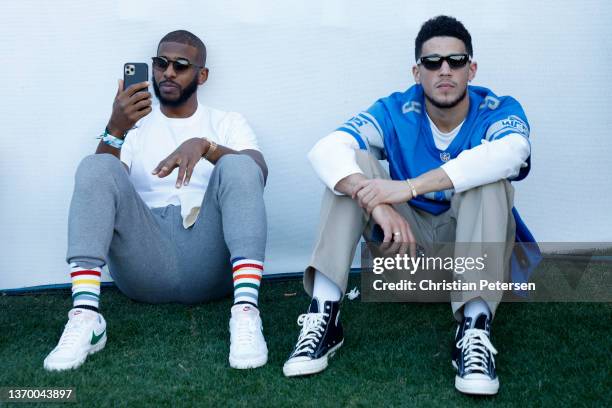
(134, 72)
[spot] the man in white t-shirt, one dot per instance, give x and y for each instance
(451, 149)
(190, 235)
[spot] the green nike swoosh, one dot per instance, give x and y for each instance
(94, 338)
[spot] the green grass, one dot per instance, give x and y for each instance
(394, 354)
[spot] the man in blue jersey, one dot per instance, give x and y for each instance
(451, 150)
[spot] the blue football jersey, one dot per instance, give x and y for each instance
(396, 127)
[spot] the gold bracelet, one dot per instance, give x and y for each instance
(211, 149)
(412, 189)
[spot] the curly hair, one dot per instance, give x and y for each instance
(442, 26)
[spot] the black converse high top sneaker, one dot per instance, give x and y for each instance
(473, 357)
(321, 335)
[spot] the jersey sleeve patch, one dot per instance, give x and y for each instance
(364, 128)
(503, 127)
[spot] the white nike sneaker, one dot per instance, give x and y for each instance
(247, 344)
(84, 334)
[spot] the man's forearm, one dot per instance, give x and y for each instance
(347, 184)
(433, 180)
(488, 162)
(333, 159)
(104, 148)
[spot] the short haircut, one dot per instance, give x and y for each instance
(187, 38)
(442, 26)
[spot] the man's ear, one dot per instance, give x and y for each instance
(416, 74)
(202, 76)
(472, 71)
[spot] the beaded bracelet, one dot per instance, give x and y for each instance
(111, 140)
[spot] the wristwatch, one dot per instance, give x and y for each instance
(212, 146)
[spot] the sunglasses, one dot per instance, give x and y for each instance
(434, 62)
(179, 64)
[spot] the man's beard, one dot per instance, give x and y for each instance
(184, 95)
(447, 105)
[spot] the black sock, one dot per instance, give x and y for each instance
(244, 302)
(87, 307)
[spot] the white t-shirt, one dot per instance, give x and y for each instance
(157, 136)
(443, 140)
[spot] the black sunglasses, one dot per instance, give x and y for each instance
(434, 62)
(179, 64)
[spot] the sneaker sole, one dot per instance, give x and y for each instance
(243, 364)
(476, 387)
(78, 361)
(311, 366)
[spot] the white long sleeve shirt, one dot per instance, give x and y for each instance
(333, 158)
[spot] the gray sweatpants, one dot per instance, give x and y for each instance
(151, 256)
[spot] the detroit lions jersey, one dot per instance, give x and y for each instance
(396, 127)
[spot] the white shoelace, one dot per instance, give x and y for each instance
(477, 343)
(71, 334)
(312, 330)
(245, 331)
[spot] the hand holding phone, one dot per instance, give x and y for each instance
(132, 101)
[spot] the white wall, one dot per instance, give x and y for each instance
(296, 70)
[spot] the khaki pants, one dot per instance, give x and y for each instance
(477, 216)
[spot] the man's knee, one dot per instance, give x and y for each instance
(500, 185)
(501, 188)
(363, 158)
(96, 167)
(492, 201)
(369, 165)
(239, 169)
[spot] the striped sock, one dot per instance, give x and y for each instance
(85, 287)
(247, 278)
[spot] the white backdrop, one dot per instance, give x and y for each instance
(296, 70)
